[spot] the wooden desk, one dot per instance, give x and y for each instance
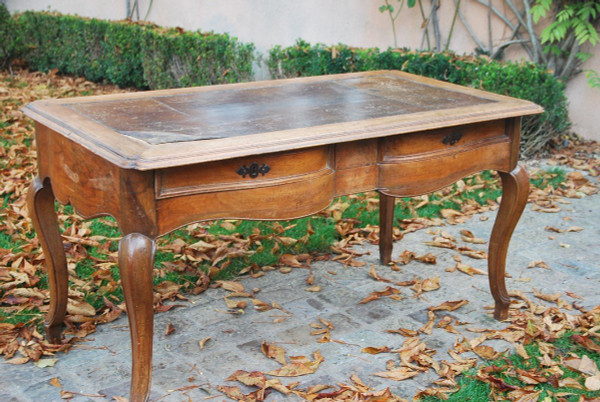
(158, 160)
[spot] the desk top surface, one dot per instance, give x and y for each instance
(157, 129)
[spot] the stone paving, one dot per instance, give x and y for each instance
(101, 363)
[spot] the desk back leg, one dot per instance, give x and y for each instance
(136, 261)
(386, 228)
(515, 190)
(41, 210)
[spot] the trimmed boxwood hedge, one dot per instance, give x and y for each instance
(521, 80)
(131, 54)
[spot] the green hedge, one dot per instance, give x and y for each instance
(522, 80)
(10, 43)
(130, 54)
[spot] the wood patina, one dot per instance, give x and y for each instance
(282, 149)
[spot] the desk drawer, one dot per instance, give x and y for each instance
(443, 140)
(240, 173)
(411, 176)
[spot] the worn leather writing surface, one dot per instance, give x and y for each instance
(183, 126)
(244, 111)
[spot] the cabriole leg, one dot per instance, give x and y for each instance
(515, 189)
(136, 260)
(41, 210)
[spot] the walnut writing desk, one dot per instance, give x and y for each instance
(158, 160)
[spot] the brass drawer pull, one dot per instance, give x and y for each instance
(253, 170)
(452, 138)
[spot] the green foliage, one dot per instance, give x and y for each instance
(579, 17)
(551, 177)
(593, 78)
(521, 80)
(130, 54)
(10, 45)
(575, 22)
(175, 59)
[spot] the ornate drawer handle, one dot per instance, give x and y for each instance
(452, 138)
(253, 170)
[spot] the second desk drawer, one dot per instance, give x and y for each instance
(442, 140)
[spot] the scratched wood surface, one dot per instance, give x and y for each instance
(157, 129)
(244, 111)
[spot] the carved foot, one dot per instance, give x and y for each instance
(515, 189)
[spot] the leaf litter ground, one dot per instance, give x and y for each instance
(556, 348)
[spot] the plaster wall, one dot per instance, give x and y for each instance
(353, 22)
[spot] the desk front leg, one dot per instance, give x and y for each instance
(136, 261)
(41, 210)
(515, 189)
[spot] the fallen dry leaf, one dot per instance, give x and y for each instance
(469, 270)
(475, 254)
(469, 237)
(372, 350)
(373, 274)
(426, 285)
(427, 328)
(202, 342)
(169, 329)
(79, 307)
(586, 342)
(406, 257)
(398, 374)
(583, 365)
(290, 260)
(593, 383)
(403, 331)
(486, 352)
(449, 305)
(427, 258)
(547, 297)
(231, 286)
(376, 295)
(539, 264)
(298, 366)
(570, 229)
(274, 352)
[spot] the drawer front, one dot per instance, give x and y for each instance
(416, 176)
(283, 201)
(443, 140)
(242, 173)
